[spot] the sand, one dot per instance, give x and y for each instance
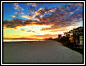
(39, 52)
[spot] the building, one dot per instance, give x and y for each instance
(75, 35)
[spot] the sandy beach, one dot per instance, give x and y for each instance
(39, 52)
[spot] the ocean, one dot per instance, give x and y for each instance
(17, 40)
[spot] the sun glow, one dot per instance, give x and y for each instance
(39, 21)
(41, 33)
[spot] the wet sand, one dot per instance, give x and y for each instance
(39, 52)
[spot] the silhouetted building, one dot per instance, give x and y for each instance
(59, 36)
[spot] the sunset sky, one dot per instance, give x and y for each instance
(40, 20)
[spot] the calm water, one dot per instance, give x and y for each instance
(16, 40)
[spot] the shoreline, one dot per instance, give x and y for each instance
(23, 41)
(4, 44)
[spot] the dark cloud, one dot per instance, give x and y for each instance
(57, 17)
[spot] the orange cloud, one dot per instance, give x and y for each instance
(80, 4)
(32, 4)
(13, 16)
(60, 18)
(46, 36)
(19, 10)
(59, 21)
(16, 12)
(71, 12)
(43, 29)
(31, 31)
(22, 30)
(26, 16)
(40, 12)
(22, 13)
(17, 7)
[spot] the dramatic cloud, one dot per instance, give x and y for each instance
(32, 4)
(36, 15)
(46, 22)
(17, 7)
(27, 16)
(19, 10)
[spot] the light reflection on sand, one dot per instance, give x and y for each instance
(16, 40)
